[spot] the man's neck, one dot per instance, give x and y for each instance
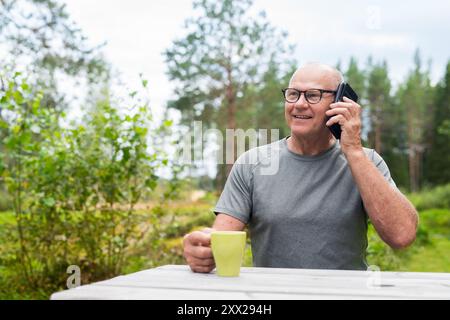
(310, 146)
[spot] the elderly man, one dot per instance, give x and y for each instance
(312, 213)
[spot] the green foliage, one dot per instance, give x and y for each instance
(407, 125)
(221, 67)
(437, 220)
(248, 256)
(5, 200)
(356, 77)
(387, 120)
(438, 197)
(189, 217)
(379, 100)
(74, 188)
(388, 259)
(379, 253)
(437, 156)
(416, 96)
(165, 240)
(261, 106)
(429, 252)
(40, 35)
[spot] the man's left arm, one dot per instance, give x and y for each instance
(392, 214)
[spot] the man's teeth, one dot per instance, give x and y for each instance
(302, 117)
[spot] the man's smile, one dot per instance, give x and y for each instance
(301, 116)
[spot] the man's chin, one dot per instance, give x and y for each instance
(305, 132)
(302, 132)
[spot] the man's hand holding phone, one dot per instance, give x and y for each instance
(347, 114)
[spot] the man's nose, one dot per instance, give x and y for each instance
(301, 102)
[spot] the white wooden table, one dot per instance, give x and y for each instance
(179, 283)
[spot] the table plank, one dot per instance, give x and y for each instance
(268, 283)
(325, 272)
(282, 283)
(96, 292)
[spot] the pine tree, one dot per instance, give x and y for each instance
(39, 37)
(357, 79)
(378, 97)
(224, 57)
(437, 157)
(416, 96)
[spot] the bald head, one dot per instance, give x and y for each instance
(324, 73)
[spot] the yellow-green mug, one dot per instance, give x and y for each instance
(228, 250)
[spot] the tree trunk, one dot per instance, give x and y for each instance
(378, 132)
(411, 154)
(231, 115)
(221, 178)
(412, 178)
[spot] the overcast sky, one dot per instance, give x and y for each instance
(138, 31)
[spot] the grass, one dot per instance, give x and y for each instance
(433, 258)
(429, 253)
(437, 197)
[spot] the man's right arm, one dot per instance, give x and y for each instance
(197, 244)
(225, 222)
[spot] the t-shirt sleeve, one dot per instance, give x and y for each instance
(236, 197)
(382, 167)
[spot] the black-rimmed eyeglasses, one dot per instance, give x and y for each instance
(312, 96)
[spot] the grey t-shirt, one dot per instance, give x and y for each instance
(305, 212)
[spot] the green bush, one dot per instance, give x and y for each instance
(187, 218)
(437, 197)
(425, 254)
(74, 187)
(437, 220)
(379, 253)
(210, 197)
(5, 200)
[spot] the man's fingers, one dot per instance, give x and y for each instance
(336, 119)
(201, 269)
(198, 252)
(344, 111)
(204, 262)
(200, 238)
(341, 105)
(347, 99)
(200, 262)
(351, 105)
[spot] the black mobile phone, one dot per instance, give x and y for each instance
(343, 90)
